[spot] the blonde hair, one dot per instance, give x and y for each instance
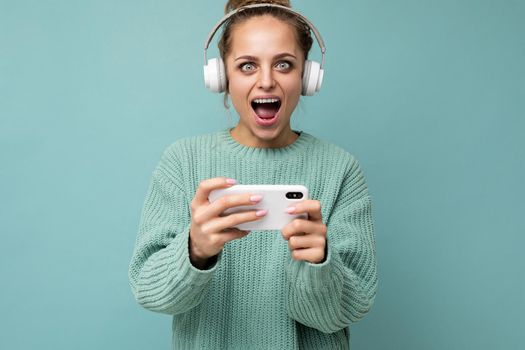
(301, 29)
(235, 4)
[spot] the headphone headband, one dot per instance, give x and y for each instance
(240, 9)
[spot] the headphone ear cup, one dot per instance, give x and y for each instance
(215, 75)
(312, 78)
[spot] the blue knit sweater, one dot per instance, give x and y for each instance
(255, 296)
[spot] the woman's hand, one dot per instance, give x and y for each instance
(209, 231)
(306, 238)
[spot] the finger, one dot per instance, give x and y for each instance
(227, 222)
(220, 205)
(292, 228)
(307, 241)
(206, 186)
(312, 255)
(310, 206)
(232, 234)
(301, 227)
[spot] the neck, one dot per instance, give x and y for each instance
(247, 138)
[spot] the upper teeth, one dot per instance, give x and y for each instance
(266, 100)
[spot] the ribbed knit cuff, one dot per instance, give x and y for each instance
(306, 275)
(168, 282)
(189, 273)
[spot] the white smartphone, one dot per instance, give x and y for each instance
(276, 198)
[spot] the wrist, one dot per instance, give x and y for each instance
(198, 260)
(199, 263)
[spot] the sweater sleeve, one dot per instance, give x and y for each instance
(331, 295)
(161, 275)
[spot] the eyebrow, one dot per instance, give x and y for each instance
(252, 58)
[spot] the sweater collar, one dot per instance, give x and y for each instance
(226, 141)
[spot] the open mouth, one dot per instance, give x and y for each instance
(266, 108)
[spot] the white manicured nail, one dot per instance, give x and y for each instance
(256, 198)
(261, 212)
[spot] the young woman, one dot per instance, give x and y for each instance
(298, 288)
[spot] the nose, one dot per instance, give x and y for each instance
(266, 79)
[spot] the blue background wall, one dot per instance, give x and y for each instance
(428, 95)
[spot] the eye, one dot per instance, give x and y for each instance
(247, 66)
(284, 65)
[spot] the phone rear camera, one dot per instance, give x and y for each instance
(294, 195)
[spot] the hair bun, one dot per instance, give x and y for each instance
(232, 5)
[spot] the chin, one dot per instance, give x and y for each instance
(271, 137)
(267, 135)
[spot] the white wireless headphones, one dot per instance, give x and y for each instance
(215, 74)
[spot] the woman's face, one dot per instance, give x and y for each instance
(264, 69)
